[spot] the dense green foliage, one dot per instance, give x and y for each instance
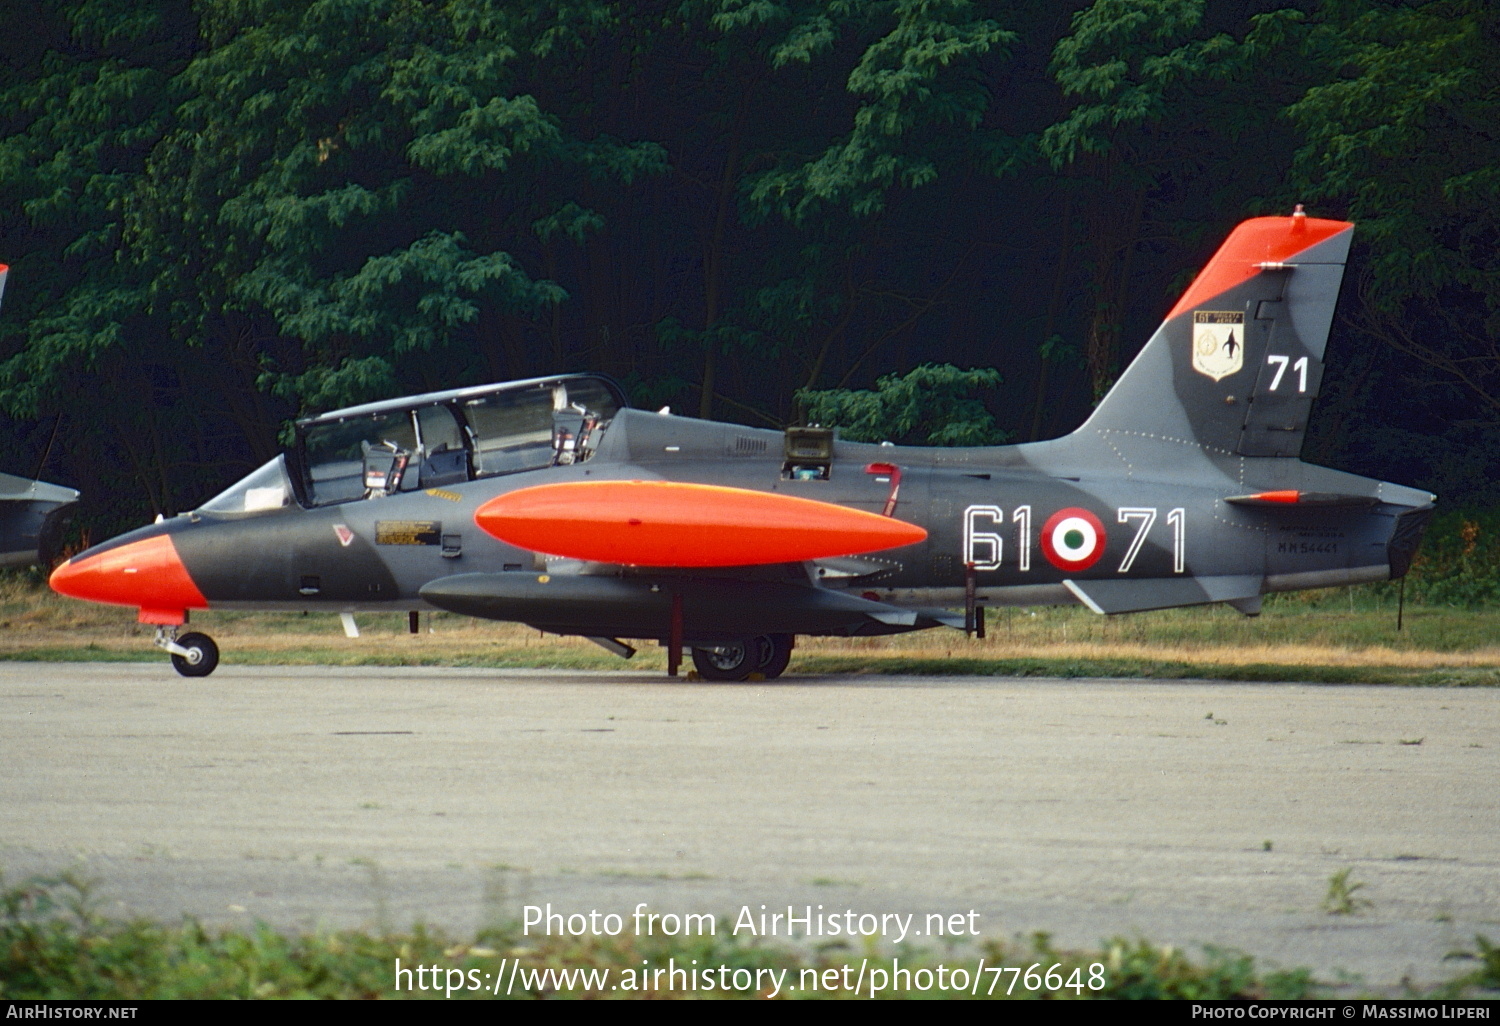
(930, 406)
(220, 215)
(1459, 562)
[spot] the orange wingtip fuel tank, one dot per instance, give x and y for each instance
(668, 523)
(146, 573)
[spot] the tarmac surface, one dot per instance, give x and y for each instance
(1184, 812)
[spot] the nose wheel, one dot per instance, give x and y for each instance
(193, 654)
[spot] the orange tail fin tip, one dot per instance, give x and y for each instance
(1269, 241)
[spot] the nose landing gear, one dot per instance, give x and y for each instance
(193, 654)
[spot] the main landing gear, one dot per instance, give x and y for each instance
(766, 655)
(193, 654)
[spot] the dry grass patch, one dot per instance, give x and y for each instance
(1339, 634)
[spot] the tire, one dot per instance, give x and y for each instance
(203, 655)
(729, 662)
(775, 653)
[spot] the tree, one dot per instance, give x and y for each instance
(1167, 108)
(376, 163)
(310, 200)
(86, 98)
(1401, 134)
(931, 405)
(890, 96)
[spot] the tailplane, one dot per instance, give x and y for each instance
(1235, 366)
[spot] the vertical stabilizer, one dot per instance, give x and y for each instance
(1237, 363)
(3, 272)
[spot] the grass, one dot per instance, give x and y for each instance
(1335, 636)
(1486, 974)
(55, 945)
(1343, 898)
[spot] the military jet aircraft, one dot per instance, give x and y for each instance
(32, 513)
(33, 516)
(551, 502)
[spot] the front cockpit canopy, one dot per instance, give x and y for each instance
(267, 488)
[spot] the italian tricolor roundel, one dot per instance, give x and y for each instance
(1073, 539)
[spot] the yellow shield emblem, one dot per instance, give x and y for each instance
(1218, 342)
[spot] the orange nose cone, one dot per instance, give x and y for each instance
(667, 523)
(146, 573)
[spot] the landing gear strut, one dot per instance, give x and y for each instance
(193, 654)
(766, 655)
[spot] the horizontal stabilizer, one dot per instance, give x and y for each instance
(25, 489)
(1133, 596)
(672, 524)
(1302, 500)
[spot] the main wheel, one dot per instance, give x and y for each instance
(775, 653)
(733, 661)
(202, 655)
